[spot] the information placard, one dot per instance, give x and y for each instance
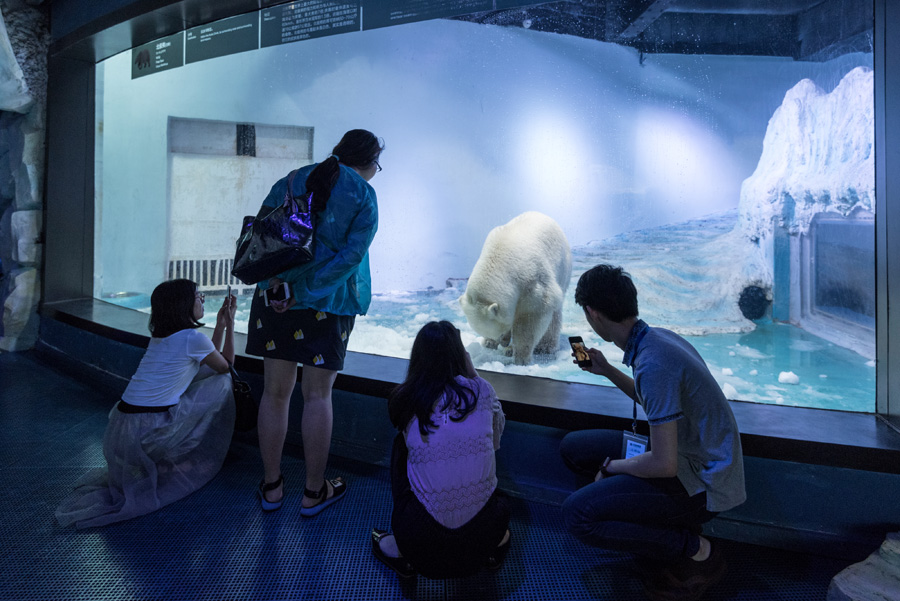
(382, 13)
(165, 53)
(228, 36)
(297, 21)
(502, 4)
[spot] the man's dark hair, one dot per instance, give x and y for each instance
(609, 290)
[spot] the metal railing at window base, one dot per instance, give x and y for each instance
(211, 275)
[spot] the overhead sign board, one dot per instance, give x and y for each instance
(383, 13)
(280, 22)
(164, 53)
(296, 21)
(220, 38)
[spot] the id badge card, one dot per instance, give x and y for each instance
(633, 444)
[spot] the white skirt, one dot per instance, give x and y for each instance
(154, 459)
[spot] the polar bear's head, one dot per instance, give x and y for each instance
(487, 318)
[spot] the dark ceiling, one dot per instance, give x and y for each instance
(799, 29)
(813, 30)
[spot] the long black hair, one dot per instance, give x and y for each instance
(358, 148)
(172, 308)
(437, 357)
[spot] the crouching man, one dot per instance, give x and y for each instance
(653, 503)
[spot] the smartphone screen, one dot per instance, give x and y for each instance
(278, 293)
(581, 355)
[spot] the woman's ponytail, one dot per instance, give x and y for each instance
(321, 180)
(358, 148)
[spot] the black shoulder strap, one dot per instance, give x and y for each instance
(264, 211)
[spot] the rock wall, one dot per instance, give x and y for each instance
(24, 41)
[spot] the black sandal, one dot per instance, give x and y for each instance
(399, 564)
(265, 487)
(495, 559)
(337, 486)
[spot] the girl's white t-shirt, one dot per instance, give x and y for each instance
(167, 369)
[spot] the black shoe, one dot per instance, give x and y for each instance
(687, 580)
(648, 568)
(495, 559)
(398, 564)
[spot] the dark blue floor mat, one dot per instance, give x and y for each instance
(217, 544)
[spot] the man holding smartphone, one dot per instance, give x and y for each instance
(653, 504)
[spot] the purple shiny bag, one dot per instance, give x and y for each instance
(272, 243)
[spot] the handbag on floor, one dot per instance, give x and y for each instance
(245, 406)
(274, 242)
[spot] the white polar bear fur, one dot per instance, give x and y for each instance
(517, 286)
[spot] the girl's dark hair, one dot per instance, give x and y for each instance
(358, 148)
(437, 357)
(172, 308)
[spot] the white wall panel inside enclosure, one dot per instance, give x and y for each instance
(211, 189)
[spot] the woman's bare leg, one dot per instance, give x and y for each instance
(316, 386)
(280, 377)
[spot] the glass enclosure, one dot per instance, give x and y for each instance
(738, 191)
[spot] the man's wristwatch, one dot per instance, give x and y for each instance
(603, 467)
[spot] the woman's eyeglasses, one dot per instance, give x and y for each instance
(377, 166)
(201, 296)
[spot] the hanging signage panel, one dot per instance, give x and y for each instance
(297, 21)
(382, 13)
(502, 4)
(228, 36)
(165, 53)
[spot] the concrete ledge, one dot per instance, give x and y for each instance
(833, 438)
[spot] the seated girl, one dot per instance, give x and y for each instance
(449, 519)
(169, 433)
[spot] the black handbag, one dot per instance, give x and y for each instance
(245, 406)
(272, 243)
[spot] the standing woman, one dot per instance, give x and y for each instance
(449, 520)
(170, 432)
(312, 326)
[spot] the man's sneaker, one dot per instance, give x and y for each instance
(687, 580)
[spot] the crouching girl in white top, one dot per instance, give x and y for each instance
(169, 433)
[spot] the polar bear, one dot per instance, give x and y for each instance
(517, 286)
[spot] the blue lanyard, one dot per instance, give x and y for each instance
(634, 343)
(634, 420)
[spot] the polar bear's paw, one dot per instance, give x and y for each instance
(546, 349)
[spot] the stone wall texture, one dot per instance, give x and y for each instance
(24, 41)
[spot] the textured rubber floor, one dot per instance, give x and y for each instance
(218, 544)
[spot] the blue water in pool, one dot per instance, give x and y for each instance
(676, 270)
